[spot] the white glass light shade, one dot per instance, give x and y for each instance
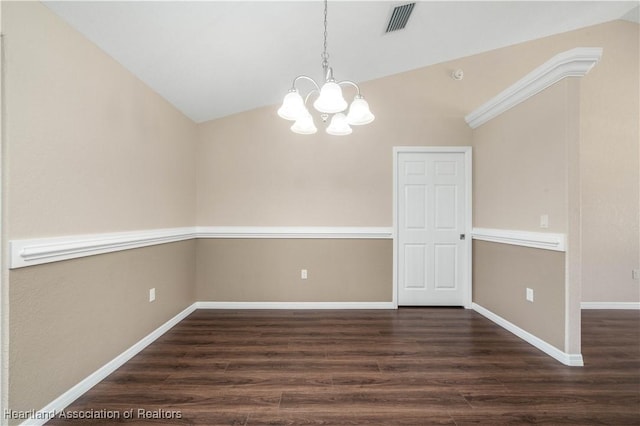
(330, 100)
(339, 125)
(304, 125)
(359, 112)
(292, 106)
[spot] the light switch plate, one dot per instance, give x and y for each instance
(530, 294)
(544, 221)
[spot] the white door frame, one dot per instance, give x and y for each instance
(467, 151)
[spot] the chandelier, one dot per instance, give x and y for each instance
(329, 102)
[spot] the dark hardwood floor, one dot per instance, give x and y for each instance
(414, 366)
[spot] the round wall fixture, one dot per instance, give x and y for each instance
(457, 74)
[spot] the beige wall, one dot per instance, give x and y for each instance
(573, 263)
(521, 170)
(520, 165)
(268, 270)
(90, 147)
(70, 318)
(610, 168)
(571, 152)
(252, 170)
(504, 272)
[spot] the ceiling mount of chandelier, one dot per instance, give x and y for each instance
(329, 102)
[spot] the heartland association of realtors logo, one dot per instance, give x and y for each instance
(133, 413)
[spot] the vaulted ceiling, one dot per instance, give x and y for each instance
(216, 58)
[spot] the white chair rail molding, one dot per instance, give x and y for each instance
(36, 251)
(539, 240)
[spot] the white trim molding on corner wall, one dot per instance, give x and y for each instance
(572, 360)
(36, 251)
(572, 63)
(539, 240)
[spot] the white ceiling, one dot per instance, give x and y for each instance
(212, 59)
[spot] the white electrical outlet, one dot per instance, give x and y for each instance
(152, 294)
(635, 274)
(530, 294)
(303, 274)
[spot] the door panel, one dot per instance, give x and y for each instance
(415, 277)
(446, 207)
(416, 199)
(431, 217)
(445, 264)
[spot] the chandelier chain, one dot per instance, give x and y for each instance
(325, 54)
(330, 102)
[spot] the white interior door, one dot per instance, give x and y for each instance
(432, 246)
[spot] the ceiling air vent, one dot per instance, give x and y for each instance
(399, 17)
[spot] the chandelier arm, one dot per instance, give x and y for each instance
(306, 98)
(330, 101)
(349, 82)
(304, 77)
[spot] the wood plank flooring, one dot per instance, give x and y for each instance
(413, 366)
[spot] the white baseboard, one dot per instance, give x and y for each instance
(610, 305)
(574, 360)
(63, 401)
(295, 305)
(59, 404)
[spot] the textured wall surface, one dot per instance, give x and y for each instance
(70, 318)
(90, 147)
(268, 270)
(506, 271)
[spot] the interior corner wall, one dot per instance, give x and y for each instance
(520, 172)
(88, 148)
(607, 210)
